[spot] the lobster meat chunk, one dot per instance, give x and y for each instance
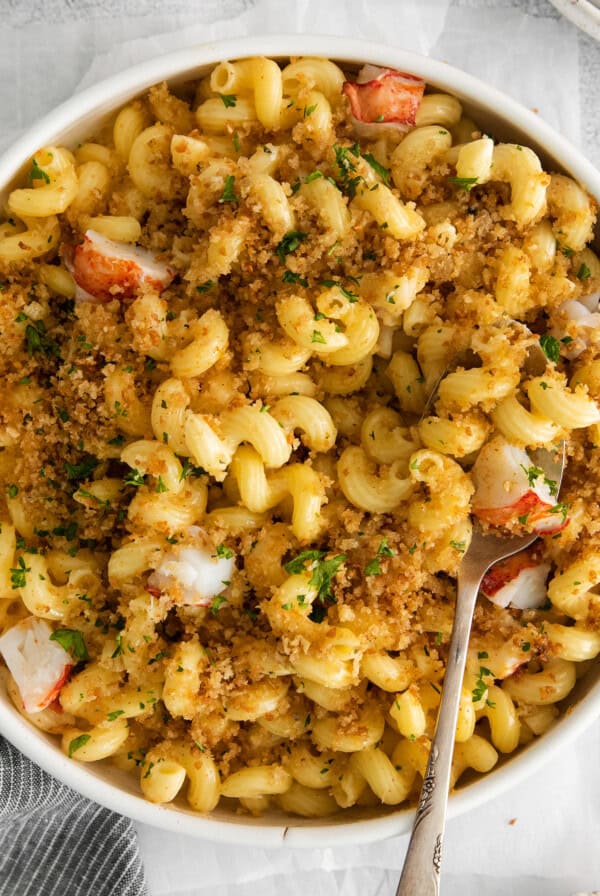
(383, 97)
(194, 574)
(519, 580)
(105, 269)
(511, 490)
(39, 666)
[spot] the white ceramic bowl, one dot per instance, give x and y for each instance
(583, 13)
(78, 119)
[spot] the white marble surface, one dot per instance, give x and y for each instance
(551, 847)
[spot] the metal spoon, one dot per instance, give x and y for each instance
(421, 872)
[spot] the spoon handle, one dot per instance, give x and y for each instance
(421, 872)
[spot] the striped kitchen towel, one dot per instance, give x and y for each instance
(54, 842)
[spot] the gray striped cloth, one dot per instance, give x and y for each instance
(54, 842)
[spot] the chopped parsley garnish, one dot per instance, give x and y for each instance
(384, 550)
(373, 568)
(346, 165)
(37, 173)
(134, 477)
(162, 654)
(459, 546)
(566, 251)
(82, 470)
(525, 646)
(562, 508)
(77, 743)
(584, 272)
(314, 175)
(217, 603)
(317, 336)
(71, 641)
(160, 486)
(351, 296)
(204, 287)
(115, 714)
(189, 469)
(290, 243)
(223, 552)
(308, 110)
(463, 183)
(480, 685)
(83, 493)
(228, 194)
(322, 573)
(550, 346)
(18, 576)
(13, 491)
(229, 100)
(377, 167)
(291, 277)
(37, 338)
(534, 473)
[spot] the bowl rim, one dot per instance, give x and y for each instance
(108, 95)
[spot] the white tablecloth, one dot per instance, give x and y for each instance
(540, 838)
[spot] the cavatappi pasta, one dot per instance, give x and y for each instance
(260, 338)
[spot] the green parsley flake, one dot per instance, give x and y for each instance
(291, 277)
(290, 243)
(18, 576)
(584, 272)
(331, 284)
(315, 175)
(480, 685)
(463, 183)
(377, 167)
(550, 346)
(82, 470)
(37, 339)
(37, 173)
(134, 477)
(217, 603)
(229, 100)
(71, 641)
(322, 574)
(373, 568)
(77, 743)
(384, 550)
(228, 194)
(189, 469)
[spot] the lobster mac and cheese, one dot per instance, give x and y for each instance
(271, 344)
